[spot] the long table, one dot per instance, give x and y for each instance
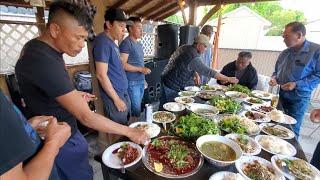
(139, 171)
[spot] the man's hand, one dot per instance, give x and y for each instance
(197, 79)
(233, 80)
(87, 96)
(145, 70)
(273, 82)
(120, 105)
(138, 136)
(315, 116)
(38, 121)
(288, 86)
(57, 133)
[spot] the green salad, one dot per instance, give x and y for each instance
(231, 124)
(193, 126)
(225, 104)
(239, 88)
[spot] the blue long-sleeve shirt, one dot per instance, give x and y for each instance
(302, 67)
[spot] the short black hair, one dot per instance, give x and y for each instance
(245, 54)
(297, 27)
(77, 11)
(134, 20)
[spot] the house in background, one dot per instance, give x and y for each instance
(313, 31)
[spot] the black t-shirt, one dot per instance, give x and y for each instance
(42, 77)
(15, 144)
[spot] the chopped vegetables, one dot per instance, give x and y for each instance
(225, 104)
(239, 88)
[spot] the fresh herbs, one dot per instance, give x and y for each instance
(225, 104)
(178, 153)
(193, 126)
(232, 124)
(239, 88)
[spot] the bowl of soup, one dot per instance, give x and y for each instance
(218, 150)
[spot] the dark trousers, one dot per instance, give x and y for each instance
(315, 161)
(72, 161)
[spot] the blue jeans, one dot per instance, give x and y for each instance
(170, 94)
(135, 91)
(295, 104)
(72, 161)
(315, 161)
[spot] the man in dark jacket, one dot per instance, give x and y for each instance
(242, 69)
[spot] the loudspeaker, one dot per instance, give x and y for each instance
(167, 40)
(153, 92)
(187, 34)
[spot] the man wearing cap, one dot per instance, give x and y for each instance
(182, 66)
(131, 54)
(110, 73)
(207, 55)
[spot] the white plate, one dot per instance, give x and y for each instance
(247, 101)
(290, 176)
(262, 94)
(249, 159)
(287, 119)
(251, 140)
(290, 133)
(174, 107)
(223, 174)
(113, 161)
(236, 94)
(263, 120)
(181, 100)
(291, 149)
(189, 93)
(152, 130)
(160, 121)
(192, 88)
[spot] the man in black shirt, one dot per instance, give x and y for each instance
(19, 157)
(242, 69)
(47, 89)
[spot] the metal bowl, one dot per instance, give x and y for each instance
(174, 107)
(204, 110)
(207, 138)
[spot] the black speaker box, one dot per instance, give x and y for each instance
(187, 34)
(167, 40)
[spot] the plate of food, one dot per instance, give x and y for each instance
(275, 145)
(192, 88)
(122, 155)
(248, 145)
(254, 167)
(214, 87)
(174, 106)
(208, 94)
(187, 93)
(225, 175)
(253, 101)
(238, 125)
(151, 129)
(225, 104)
(263, 108)
(262, 94)
(184, 100)
(204, 110)
(163, 117)
(239, 88)
(193, 126)
(218, 150)
(256, 116)
(280, 117)
(172, 157)
(295, 168)
(276, 130)
(237, 95)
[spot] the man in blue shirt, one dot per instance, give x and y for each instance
(110, 73)
(297, 72)
(131, 54)
(207, 55)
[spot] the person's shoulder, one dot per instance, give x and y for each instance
(125, 42)
(314, 46)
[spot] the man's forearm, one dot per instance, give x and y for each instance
(130, 68)
(221, 77)
(107, 87)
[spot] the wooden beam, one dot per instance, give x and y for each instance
(155, 8)
(174, 11)
(41, 23)
(192, 12)
(139, 6)
(169, 8)
(223, 2)
(119, 3)
(19, 3)
(180, 2)
(209, 14)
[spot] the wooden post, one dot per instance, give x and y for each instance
(216, 44)
(181, 6)
(41, 23)
(212, 11)
(192, 12)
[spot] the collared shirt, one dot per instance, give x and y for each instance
(302, 67)
(207, 56)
